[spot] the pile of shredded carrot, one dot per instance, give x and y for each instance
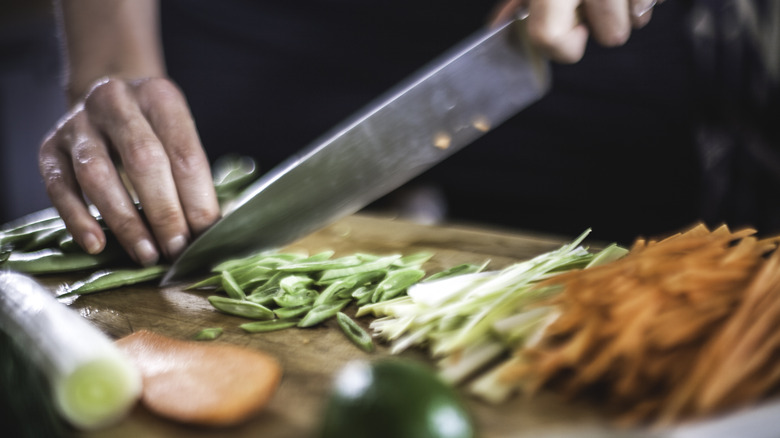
(679, 329)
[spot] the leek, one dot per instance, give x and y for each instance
(91, 383)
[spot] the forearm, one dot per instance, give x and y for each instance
(118, 38)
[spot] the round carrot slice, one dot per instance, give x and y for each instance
(205, 384)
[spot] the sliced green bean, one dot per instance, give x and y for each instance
(322, 313)
(413, 260)
(396, 282)
(321, 265)
(208, 334)
(297, 299)
(378, 264)
(337, 287)
(264, 298)
(112, 279)
(354, 332)
(231, 287)
(291, 312)
(362, 295)
(243, 308)
(295, 284)
(269, 326)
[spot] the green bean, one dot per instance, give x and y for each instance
(295, 284)
(413, 260)
(208, 334)
(246, 309)
(396, 282)
(322, 313)
(67, 244)
(378, 264)
(362, 295)
(291, 312)
(295, 299)
(321, 265)
(112, 279)
(269, 326)
(354, 332)
(45, 238)
(336, 288)
(263, 298)
(55, 261)
(231, 287)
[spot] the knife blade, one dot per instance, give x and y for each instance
(457, 98)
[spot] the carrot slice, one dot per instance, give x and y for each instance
(204, 384)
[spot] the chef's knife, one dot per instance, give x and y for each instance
(460, 96)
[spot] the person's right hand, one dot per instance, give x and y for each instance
(561, 28)
(141, 133)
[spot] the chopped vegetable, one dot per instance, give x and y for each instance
(202, 383)
(468, 320)
(92, 383)
(354, 332)
(678, 329)
(208, 334)
(281, 287)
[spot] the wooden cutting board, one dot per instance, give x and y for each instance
(311, 357)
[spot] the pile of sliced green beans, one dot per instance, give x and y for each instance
(283, 290)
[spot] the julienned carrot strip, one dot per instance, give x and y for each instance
(205, 384)
(680, 327)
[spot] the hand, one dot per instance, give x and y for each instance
(560, 28)
(145, 126)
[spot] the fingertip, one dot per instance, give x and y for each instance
(145, 253)
(91, 243)
(176, 246)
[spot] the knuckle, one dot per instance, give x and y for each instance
(614, 37)
(93, 172)
(143, 155)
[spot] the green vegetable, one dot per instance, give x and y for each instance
(107, 279)
(242, 308)
(354, 332)
(311, 288)
(392, 399)
(269, 326)
(208, 334)
(92, 384)
(472, 319)
(322, 313)
(56, 261)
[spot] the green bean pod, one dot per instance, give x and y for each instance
(269, 326)
(322, 313)
(354, 332)
(245, 309)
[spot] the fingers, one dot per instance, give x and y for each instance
(147, 127)
(167, 111)
(561, 28)
(557, 29)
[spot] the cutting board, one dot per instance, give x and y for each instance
(311, 357)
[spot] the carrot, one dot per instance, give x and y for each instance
(679, 328)
(204, 384)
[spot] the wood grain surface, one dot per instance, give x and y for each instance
(311, 357)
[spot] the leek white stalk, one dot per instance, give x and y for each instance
(92, 383)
